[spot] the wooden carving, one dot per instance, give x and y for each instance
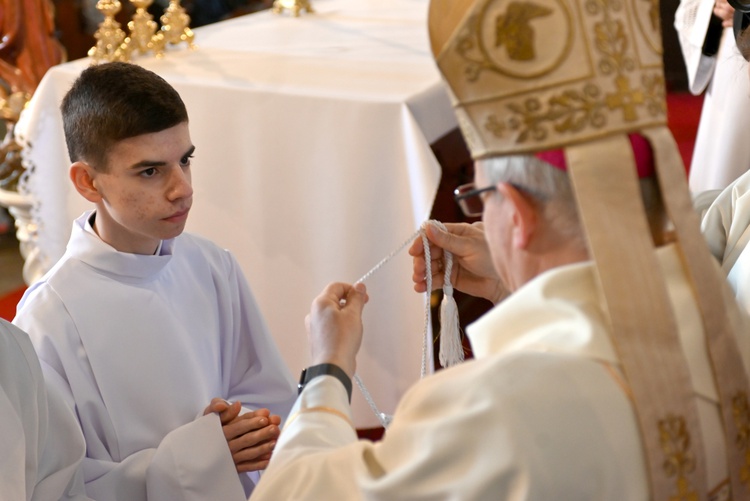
(28, 48)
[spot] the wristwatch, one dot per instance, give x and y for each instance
(314, 371)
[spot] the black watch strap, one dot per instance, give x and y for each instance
(314, 371)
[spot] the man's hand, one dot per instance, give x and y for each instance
(334, 325)
(251, 436)
(473, 271)
(723, 10)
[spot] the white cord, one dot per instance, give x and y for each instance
(385, 419)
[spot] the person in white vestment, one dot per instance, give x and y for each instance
(600, 376)
(726, 221)
(152, 335)
(714, 64)
(41, 444)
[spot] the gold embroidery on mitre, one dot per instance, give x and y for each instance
(741, 412)
(507, 42)
(538, 74)
(515, 31)
(680, 461)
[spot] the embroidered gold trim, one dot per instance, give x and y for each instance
(320, 408)
(634, 92)
(741, 412)
(679, 459)
(514, 32)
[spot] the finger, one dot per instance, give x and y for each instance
(228, 415)
(217, 405)
(248, 425)
(253, 438)
(261, 412)
(417, 247)
(445, 239)
(357, 297)
(259, 452)
(252, 466)
(274, 419)
(333, 293)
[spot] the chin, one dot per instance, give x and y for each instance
(172, 233)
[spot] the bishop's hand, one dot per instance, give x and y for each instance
(334, 325)
(473, 272)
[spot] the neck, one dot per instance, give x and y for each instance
(534, 262)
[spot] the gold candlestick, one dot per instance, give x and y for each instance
(11, 166)
(143, 30)
(109, 36)
(175, 26)
(295, 6)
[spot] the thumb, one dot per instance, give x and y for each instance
(442, 238)
(357, 297)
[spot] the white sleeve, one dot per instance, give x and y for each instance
(256, 373)
(189, 455)
(479, 431)
(691, 22)
(41, 442)
(726, 222)
(184, 469)
(60, 475)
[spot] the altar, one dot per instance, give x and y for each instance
(312, 163)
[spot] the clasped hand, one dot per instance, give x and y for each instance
(251, 436)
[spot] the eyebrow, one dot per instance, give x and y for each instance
(158, 163)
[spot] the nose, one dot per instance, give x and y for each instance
(180, 184)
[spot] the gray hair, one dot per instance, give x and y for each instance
(548, 186)
(553, 192)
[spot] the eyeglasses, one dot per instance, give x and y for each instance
(467, 197)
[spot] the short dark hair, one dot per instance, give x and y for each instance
(110, 102)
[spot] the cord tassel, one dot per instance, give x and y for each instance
(451, 348)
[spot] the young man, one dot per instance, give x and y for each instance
(41, 443)
(614, 368)
(152, 335)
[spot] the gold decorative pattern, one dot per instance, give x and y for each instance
(143, 32)
(109, 36)
(526, 85)
(175, 26)
(741, 412)
(570, 111)
(680, 461)
(296, 7)
(514, 30)
(513, 34)
(11, 166)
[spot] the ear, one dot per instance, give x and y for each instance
(83, 175)
(524, 217)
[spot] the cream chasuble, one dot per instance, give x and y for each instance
(541, 413)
